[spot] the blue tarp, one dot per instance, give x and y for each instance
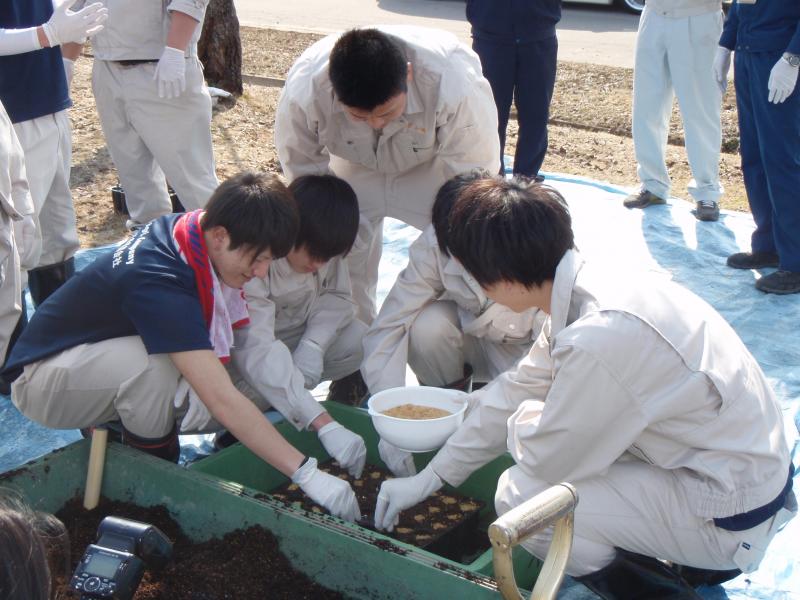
(663, 239)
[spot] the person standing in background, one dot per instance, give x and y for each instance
(674, 55)
(154, 105)
(516, 42)
(39, 42)
(766, 37)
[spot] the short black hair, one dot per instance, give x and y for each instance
(445, 198)
(328, 210)
(367, 68)
(510, 230)
(258, 212)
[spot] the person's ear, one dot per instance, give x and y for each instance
(409, 72)
(219, 237)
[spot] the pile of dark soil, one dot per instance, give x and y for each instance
(243, 565)
(445, 524)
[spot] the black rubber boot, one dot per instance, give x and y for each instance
(350, 390)
(697, 577)
(464, 384)
(224, 439)
(167, 447)
(632, 576)
(42, 282)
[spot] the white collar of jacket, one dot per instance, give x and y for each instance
(566, 273)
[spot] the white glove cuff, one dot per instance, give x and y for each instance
(333, 425)
(305, 472)
(175, 52)
(432, 482)
(51, 35)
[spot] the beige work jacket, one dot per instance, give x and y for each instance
(137, 29)
(646, 370)
(280, 305)
(449, 126)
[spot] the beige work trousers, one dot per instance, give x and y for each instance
(10, 286)
(91, 384)
(438, 348)
(644, 509)
(151, 137)
(47, 143)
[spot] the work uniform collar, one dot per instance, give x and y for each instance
(563, 284)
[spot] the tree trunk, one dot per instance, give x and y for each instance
(220, 48)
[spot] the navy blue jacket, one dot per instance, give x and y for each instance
(767, 25)
(513, 21)
(32, 84)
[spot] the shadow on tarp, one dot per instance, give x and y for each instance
(662, 239)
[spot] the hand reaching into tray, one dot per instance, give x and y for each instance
(333, 493)
(346, 447)
(396, 495)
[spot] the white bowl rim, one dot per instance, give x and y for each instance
(458, 396)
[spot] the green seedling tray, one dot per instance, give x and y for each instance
(237, 465)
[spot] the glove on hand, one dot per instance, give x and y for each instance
(397, 495)
(346, 447)
(326, 490)
(308, 357)
(170, 73)
(782, 79)
(722, 64)
(29, 246)
(400, 462)
(66, 26)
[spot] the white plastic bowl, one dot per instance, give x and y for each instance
(417, 435)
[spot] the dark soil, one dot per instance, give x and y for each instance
(445, 524)
(245, 564)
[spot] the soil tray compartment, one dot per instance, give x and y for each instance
(446, 524)
(237, 465)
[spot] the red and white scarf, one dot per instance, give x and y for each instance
(224, 307)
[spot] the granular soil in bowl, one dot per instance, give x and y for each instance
(445, 524)
(245, 564)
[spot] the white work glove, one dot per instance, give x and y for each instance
(722, 64)
(29, 246)
(396, 495)
(333, 493)
(400, 462)
(782, 79)
(69, 71)
(346, 447)
(66, 26)
(308, 357)
(170, 73)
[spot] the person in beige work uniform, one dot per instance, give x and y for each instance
(636, 392)
(395, 112)
(16, 204)
(154, 106)
(437, 319)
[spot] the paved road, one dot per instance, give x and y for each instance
(598, 35)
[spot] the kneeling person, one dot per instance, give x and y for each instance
(637, 392)
(302, 319)
(117, 341)
(437, 319)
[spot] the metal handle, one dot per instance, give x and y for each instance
(554, 505)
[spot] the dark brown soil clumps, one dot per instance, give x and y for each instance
(445, 523)
(243, 565)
